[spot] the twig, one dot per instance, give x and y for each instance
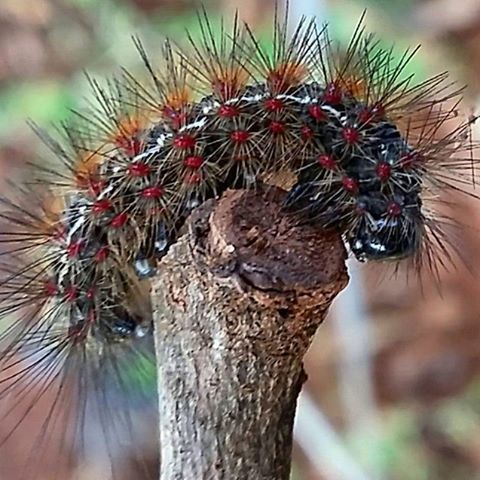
(237, 303)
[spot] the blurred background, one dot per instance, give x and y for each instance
(394, 374)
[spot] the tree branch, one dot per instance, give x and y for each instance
(236, 304)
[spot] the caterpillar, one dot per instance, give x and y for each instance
(365, 151)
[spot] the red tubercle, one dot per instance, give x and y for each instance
(228, 111)
(222, 89)
(71, 293)
(91, 183)
(193, 161)
(285, 75)
(118, 221)
(128, 131)
(276, 81)
(95, 186)
(370, 114)
(101, 206)
(333, 94)
(383, 171)
(59, 232)
(178, 118)
(78, 332)
(274, 104)
(152, 192)
(169, 112)
(101, 254)
(90, 294)
(74, 249)
(131, 146)
(277, 128)
(51, 288)
(350, 185)
(378, 110)
(184, 141)
(226, 88)
(317, 113)
(138, 169)
(239, 136)
(327, 161)
(365, 116)
(394, 209)
(306, 132)
(351, 135)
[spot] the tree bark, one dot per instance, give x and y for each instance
(236, 304)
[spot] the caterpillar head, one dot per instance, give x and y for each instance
(392, 229)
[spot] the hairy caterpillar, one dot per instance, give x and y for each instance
(365, 146)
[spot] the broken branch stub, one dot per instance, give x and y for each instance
(236, 304)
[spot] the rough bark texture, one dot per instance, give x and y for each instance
(236, 304)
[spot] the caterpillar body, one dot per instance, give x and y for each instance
(368, 152)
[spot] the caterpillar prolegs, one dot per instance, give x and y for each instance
(369, 152)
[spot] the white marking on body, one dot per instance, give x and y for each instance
(102, 194)
(200, 123)
(293, 98)
(332, 110)
(146, 153)
(79, 222)
(161, 140)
